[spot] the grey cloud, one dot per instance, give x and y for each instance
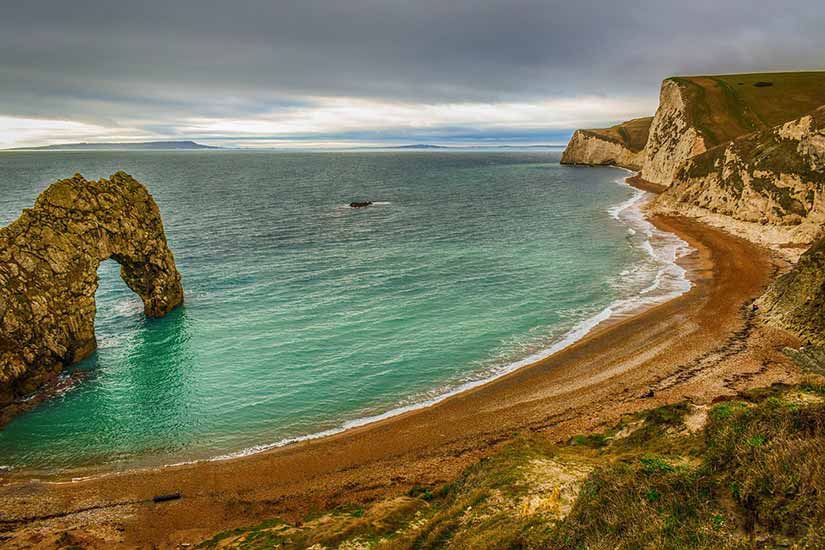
(138, 62)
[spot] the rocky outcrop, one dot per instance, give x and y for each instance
(48, 273)
(673, 137)
(697, 113)
(796, 300)
(767, 186)
(621, 145)
(745, 153)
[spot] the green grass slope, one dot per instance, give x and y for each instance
(724, 107)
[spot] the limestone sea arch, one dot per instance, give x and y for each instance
(49, 258)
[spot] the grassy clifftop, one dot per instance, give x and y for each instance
(724, 107)
(631, 134)
(620, 145)
(697, 113)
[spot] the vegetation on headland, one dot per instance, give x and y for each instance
(698, 113)
(724, 107)
(631, 134)
(765, 151)
(773, 176)
(743, 473)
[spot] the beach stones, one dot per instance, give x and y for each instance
(48, 274)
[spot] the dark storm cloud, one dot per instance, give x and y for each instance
(146, 63)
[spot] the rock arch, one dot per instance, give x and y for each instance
(48, 274)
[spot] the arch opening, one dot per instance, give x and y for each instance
(49, 260)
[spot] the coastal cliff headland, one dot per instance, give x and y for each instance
(697, 113)
(49, 259)
(621, 145)
(746, 153)
(766, 186)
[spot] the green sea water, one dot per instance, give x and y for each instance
(304, 316)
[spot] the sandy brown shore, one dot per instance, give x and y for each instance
(702, 345)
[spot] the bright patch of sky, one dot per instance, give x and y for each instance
(361, 72)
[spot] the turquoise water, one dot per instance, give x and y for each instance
(302, 314)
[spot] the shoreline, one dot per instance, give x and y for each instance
(590, 382)
(620, 309)
(613, 312)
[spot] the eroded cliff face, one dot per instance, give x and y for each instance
(697, 113)
(745, 153)
(621, 145)
(48, 273)
(767, 186)
(673, 138)
(796, 301)
(591, 149)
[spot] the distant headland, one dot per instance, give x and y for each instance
(140, 146)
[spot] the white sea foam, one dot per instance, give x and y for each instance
(664, 249)
(670, 281)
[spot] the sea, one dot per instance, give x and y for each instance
(304, 317)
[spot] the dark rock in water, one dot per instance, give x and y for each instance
(360, 204)
(48, 274)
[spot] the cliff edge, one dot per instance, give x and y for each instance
(48, 274)
(621, 145)
(695, 114)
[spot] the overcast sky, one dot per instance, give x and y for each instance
(345, 72)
